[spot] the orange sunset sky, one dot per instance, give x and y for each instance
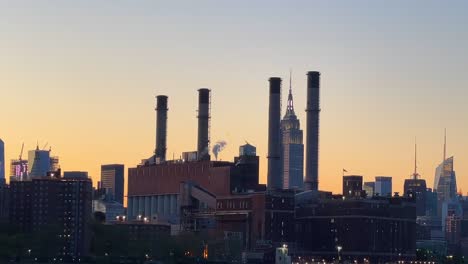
(82, 76)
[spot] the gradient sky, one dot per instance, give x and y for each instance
(82, 75)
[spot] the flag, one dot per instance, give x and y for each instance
(345, 170)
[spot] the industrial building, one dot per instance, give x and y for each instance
(161, 189)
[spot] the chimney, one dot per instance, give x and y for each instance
(203, 124)
(274, 142)
(161, 127)
(312, 130)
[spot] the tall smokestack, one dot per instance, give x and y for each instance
(312, 131)
(203, 124)
(161, 127)
(274, 142)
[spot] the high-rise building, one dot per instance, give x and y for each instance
(54, 163)
(352, 186)
(18, 170)
(383, 186)
(416, 187)
(39, 162)
(369, 187)
(292, 158)
(2, 161)
(112, 179)
(44, 204)
(4, 202)
(445, 180)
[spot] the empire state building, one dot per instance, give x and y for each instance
(292, 157)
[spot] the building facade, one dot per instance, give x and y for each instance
(352, 186)
(445, 183)
(375, 230)
(383, 186)
(112, 180)
(2, 161)
(369, 187)
(62, 207)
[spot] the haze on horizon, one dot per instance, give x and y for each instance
(83, 76)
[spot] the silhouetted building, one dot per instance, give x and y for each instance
(4, 202)
(246, 173)
(279, 217)
(75, 174)
(374, 230)
(61, 207)
(2, 161)
(417, 187)
(112, 180)
(453, 230)
(431, 202)
(368, 187)
(292, 158)
(352, 186)
(383, 186)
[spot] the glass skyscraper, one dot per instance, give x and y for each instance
(445, 183)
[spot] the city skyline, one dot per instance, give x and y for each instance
(373, 104)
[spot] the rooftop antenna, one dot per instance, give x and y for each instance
(415, 174)
(445, 145)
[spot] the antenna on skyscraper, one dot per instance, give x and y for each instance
(445, 145)
(415, 174)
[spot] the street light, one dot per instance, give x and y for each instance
(339, 248)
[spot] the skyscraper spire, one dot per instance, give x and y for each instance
(290, 106)
(415, 174)
(445, 145)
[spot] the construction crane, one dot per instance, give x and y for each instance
(21, 153)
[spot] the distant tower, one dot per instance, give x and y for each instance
(161, 127)
(312, 130)
(2, 162)
(292, 145)
(274, 180)
(39, 162)
(417, 187)
(203, 143)
(112, 180)
(445, 181)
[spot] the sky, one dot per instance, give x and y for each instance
(82, 77)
